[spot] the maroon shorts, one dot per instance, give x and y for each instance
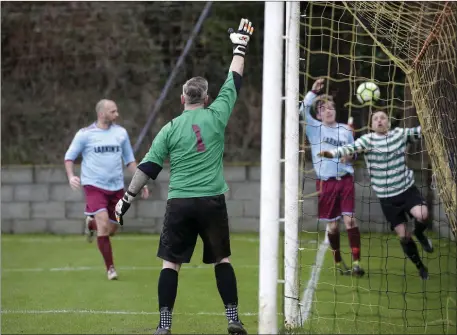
(98, 200)
(336, 197)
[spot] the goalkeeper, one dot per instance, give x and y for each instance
(393, 181)
(335, 181)
(194, 142)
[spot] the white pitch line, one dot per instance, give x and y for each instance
(90, 311)
(80, 238)
(122, 268)
(307, 300)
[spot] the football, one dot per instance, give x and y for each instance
(368, 92)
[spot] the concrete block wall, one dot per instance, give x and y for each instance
(39, 199)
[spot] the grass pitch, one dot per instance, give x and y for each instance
(57, 285)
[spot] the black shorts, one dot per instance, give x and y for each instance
(397, 209)
(187, 218)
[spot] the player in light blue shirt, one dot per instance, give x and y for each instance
(105, 148)
(103, 151)
(335, 179)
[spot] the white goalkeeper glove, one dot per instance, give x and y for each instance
(122, 206)
(240, 38)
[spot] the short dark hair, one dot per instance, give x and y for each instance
(195, 90)
(393, 117)
(378, 111)
(320, 101)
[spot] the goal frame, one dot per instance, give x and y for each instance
(270, 190)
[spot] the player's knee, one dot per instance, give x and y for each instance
(421, 214)
(403, 234)
(349, 222)
(333, 227)
(171, 265)
(103, 223)
(223, 260)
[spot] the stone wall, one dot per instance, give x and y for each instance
(38, 199)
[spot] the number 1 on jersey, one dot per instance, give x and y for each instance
(200, 144)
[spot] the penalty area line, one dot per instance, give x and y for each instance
(91, 311)
(80, 238)
(307, 300)
(121, 268)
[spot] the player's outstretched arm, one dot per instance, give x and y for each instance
(413, 134)
(240, 40)
(312, 124)
(224, 103)
(358, 146)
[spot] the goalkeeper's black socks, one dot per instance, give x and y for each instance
(410, 249)
(226, 284)
(168, 288)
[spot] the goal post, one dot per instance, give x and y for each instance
(270, 166)
(348, 43)
(291, 167)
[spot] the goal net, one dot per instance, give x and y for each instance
(409, 50)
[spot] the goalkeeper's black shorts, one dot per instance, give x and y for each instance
(397, 209)
(185, 220)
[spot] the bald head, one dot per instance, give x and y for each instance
(104, 105)
(106, 111)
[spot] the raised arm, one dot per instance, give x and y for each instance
(240, 40)
(305, 110)
(313, 126)
(223, 105)
(237, 65)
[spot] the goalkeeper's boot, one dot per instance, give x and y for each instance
(423, 272)
(342, 268)
(90, 228)
(162, 331)
(425, 242)
(357, 269)
(112, 274)
(236, 328)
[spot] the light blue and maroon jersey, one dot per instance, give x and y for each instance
(103, 153)
(325, 138)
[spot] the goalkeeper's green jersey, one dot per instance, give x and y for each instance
(194, 142)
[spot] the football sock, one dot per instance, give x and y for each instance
(168, 288)
(354, 242)
(334, 239)
(226, 284)
(419, 228)
(104, 245)
(410, 249)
